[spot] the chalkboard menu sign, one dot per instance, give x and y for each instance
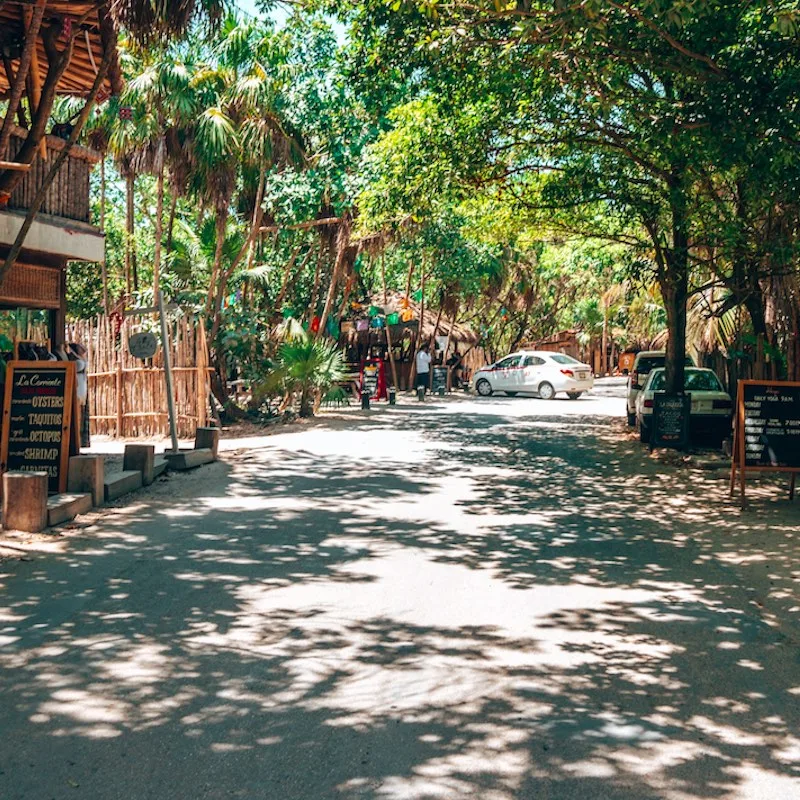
(766, 437)
(439, 380)
(37, 419)
(771, 425)
(670, 425)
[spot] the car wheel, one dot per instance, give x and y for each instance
(546, 391)
(574, 395)
(483, 388)
(644, 433)
(511, 394)
(631, 419)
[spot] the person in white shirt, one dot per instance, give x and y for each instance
(423, 366)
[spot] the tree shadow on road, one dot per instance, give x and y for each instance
(416, 605)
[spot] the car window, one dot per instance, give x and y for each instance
(510, 361)
(560, 358)
(701, 382)
(533, 361)
(693, 380)
(647, 363)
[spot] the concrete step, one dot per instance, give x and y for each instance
(117, 484)
(159, 466)
(189, 459)
(64, 507)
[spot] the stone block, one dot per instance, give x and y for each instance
(25, 501)
(64, 507)
(207, 438)
(141, 457)
(86, 474)
(119, 483)
(188, 459)
(159, 466)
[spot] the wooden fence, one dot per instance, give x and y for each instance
(127, 396)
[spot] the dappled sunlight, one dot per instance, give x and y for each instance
(426, 604)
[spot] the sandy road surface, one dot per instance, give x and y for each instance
(462, 599)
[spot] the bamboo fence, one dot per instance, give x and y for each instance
(128, 396)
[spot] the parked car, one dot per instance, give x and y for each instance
(534, 372)
(645, 361)
(712, 406)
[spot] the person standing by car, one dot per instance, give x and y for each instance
(423, 366)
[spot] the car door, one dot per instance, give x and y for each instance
(531, 373)
(505, 375)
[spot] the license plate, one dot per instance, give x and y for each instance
(581, 376)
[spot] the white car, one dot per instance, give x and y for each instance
(712, 406)
(534, 372)
(645, 361)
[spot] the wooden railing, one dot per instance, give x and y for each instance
(68, 197)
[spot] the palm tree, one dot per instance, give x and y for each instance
(305, 367)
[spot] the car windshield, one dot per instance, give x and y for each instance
(694, 380)
(560, 358)
(647, 363)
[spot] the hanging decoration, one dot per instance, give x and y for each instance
(393, 318)
(377, 322)
(362, 324)
(374, 311)
(332, 327)
(407, 315)
(287, 312)
(315, 321)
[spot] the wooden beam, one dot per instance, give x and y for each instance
(301, 226)
(14, 165)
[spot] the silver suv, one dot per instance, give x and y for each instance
(643, 363)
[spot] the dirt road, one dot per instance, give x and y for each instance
(486, 599)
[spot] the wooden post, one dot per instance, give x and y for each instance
(118, 383)
(86, 474)
(25, 501)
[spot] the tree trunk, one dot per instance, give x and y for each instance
(604, 341)
(216, 269)
(103, 268)
(312, 305)
(131, 272)
(418, 338)
(159, 230)
(173, 207)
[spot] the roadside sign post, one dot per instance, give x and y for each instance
(173, 427)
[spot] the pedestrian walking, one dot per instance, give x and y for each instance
(423, 366)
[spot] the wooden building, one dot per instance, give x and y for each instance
(44, 179)
(375, 328)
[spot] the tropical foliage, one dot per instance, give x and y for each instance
(617, 169)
